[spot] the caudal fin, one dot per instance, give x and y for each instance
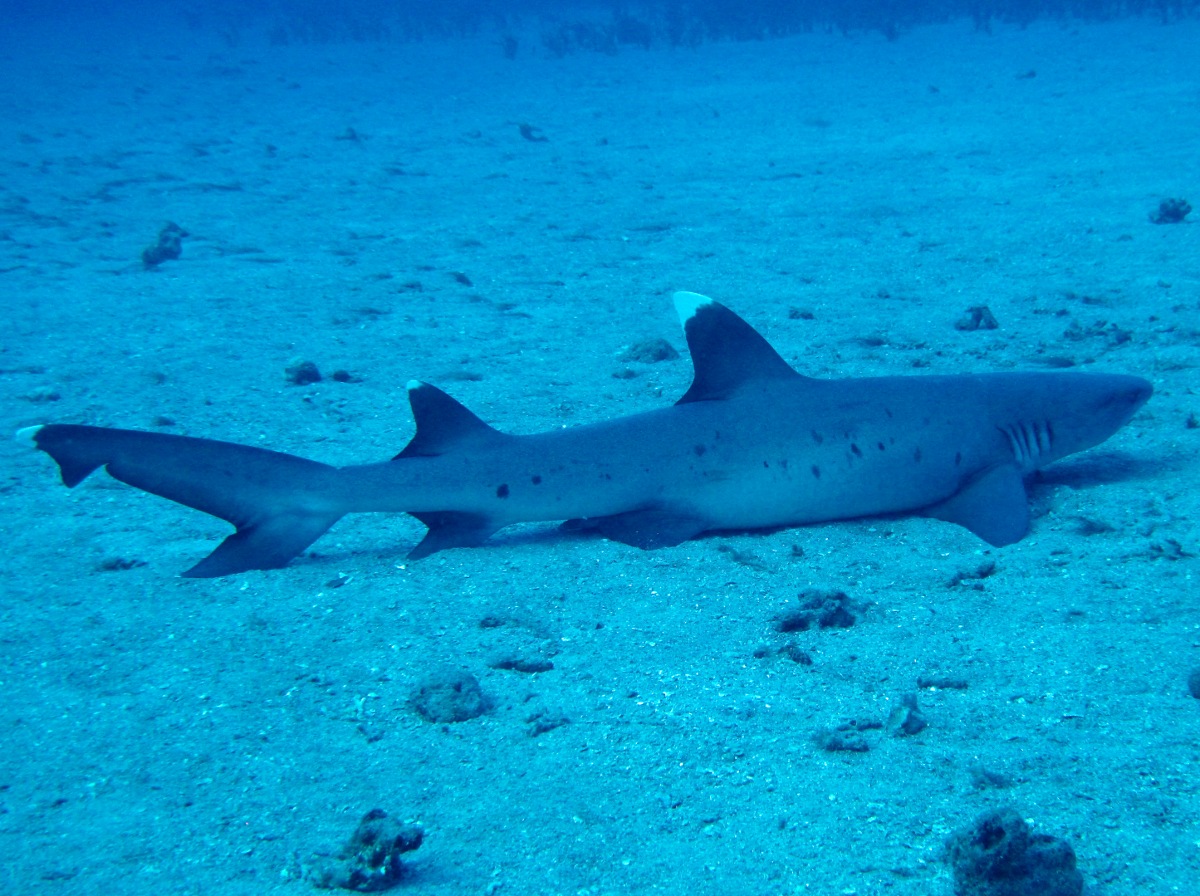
(279, 503)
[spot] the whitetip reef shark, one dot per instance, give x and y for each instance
(752, 444)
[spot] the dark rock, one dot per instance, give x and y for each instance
(513, 662)
(1000, 856)
(532, 134)
(168, 247)
(984, 570)
(370, 860)
(302, 373)
(119, 564)
(544, 720)
(839, 741)
(796, 654)
(977, 318)
(819, 609)
(651, 351)
(983, 778)
(450, 695)
(942, 683)
(907, 719)
(1194, 683)
(1171, 211)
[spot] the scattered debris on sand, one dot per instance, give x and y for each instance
(1000, 856)
(819, 609)
(1171, 211)
(907, 719)
(370, 860)
(649, 351)
(168, 247)
(302, 373)
(978, 317)
(449, 695)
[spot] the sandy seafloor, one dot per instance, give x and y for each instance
(850, 197)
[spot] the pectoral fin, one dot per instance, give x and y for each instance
(993, 505)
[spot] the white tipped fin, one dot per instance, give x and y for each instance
(413, 385)
(727, 352)
(28, 435)
(688, 303)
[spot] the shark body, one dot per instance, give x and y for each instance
(752, 444)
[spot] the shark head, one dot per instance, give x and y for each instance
(1063, 413)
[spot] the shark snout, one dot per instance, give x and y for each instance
(1081, 410)
(1128, 395)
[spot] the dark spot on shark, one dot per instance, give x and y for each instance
(888, 411)
(855, 450)
(881, 446)
(817, 437)
(698, 450)
(536, 480)
(957, 458)
(502, 491)
(816, 471)
(917, 456)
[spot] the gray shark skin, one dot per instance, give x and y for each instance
(752, 444)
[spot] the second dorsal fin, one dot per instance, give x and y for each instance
(442, 423)
(727, 353)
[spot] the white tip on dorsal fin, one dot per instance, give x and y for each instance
(687, 304)
(28, 435)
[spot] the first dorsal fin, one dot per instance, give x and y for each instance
(727, 352)
(442, 423)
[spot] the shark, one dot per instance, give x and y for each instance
(751, 444)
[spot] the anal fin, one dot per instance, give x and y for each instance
(993, 505)
(646, 529)
(451, 529)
